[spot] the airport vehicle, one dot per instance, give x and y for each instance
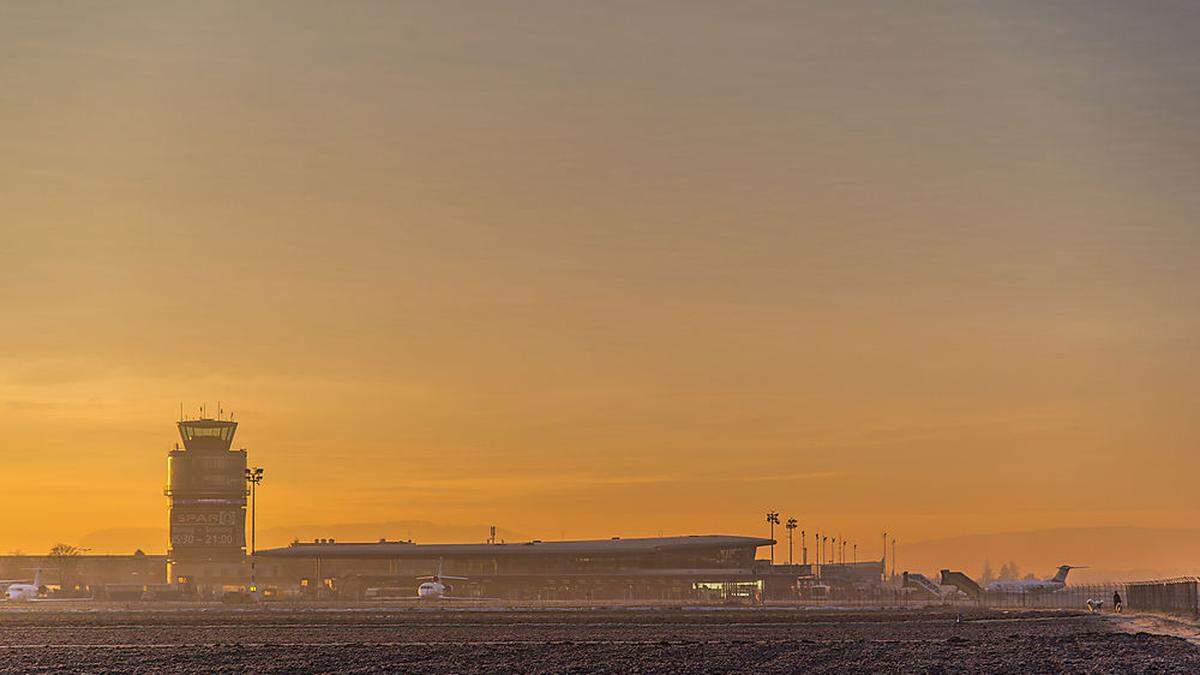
(20, 591)
(435, 588)
(1054, 583)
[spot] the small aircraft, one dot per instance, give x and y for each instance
(20, 591)
(1051, 585)
(434, 588)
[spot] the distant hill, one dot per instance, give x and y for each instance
(1112, 553)
(125, 540)
(420, 531)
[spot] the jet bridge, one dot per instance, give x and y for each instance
(962, 582)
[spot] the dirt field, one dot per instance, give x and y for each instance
(597, 640)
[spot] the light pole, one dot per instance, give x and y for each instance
(803, 548)
(772, 520)
(883, 573)
(833, 552)
(254, 476)
(856, 552)
(893, 557)
(791, 527)
(824, 548)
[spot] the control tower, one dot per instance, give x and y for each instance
(206, 486)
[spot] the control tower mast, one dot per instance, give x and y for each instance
(206, 489)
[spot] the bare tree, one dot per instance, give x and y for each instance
(66, 559)
(1009, 571)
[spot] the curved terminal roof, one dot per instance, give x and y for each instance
(617, 545)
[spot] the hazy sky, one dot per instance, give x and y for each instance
(596, 268)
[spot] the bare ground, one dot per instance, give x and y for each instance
(585, 641)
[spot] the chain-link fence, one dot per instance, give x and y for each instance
(1170, 596)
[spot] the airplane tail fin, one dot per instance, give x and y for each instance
(442, 577)
(1061, 575)
(436, 576)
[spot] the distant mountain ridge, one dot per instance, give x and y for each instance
(420, 531)
(1111, 553)
(123, 540)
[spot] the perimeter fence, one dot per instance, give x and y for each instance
(1179, 596)
(1074, 596)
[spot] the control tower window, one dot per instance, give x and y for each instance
(223, 433)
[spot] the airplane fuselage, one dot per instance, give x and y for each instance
(1025, 586)
(21, 593)
(431, 590)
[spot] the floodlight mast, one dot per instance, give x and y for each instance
(791, 526)
(254, 476)
(773, 520)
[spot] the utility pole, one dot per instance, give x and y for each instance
(254, 476)
(791, 527)
(883, 572)
(773, 520)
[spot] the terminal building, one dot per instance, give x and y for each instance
(657, 568)
(88, 576)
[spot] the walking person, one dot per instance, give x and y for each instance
(1117, 606)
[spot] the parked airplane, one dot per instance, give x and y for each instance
(19, 591)
(434, 589)
(1054, 583)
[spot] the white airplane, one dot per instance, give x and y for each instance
(434, 589)
(19, 591)
(1054, 583)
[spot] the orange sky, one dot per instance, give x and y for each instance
(587, 269)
